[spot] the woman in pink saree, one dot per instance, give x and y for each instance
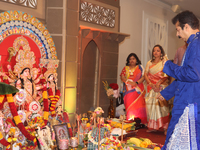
(157, 110)
(132, 76)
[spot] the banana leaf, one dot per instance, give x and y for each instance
(7, 89)
(138, 148)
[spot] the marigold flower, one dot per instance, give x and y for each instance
(12, 130)
(156, 148)
(88, 125)
(9, 140)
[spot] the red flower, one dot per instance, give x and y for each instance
(114, 86)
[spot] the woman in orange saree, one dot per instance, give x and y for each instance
(132, 76)
(157, 110)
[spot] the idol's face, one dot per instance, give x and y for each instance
(132, 61)
(51, 78)
(157, 52)
(181, 33)
(26, 72)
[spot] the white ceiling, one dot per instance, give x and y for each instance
(191, 5)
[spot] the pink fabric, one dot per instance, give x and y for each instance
(134, 101)
(179, 55)
(135, 105)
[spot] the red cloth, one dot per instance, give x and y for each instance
(134, 100)
(8, 42)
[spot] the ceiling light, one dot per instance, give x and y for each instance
(176, 8)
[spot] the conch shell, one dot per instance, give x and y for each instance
(11, 52)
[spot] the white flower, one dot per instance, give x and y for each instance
(116, 93)
(110, 92)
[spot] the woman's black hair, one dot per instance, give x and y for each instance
(162, 51)
(53, 80)
(134, 55)
(22, 80)
(24, 70)
(57, 108)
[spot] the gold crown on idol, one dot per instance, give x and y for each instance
(51, 65)
(24, 59)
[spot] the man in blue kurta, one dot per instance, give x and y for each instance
(186, 87)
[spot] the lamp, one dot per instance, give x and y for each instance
(176, 8)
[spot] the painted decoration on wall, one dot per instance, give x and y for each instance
(26, 3)
(97, 14)
(155, 31)
(157, 34)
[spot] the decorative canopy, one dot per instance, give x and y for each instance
(17, 22)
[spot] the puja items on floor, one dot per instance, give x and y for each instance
(93, 132)
(143, 143)
(116, 123)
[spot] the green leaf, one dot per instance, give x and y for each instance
(7, 89)
(138, 148)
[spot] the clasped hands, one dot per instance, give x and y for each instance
(155, 87)
(132, 83)
(160, 97)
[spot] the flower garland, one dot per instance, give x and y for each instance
(11, 136)
(107, 126)
(92, 139)
(46, 106)
(112, 143)
(1, 99)
(18, 120)
(3, 141)
(37, 121)
(54, 100)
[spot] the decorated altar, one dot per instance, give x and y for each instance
(31, 112)
(28, 62)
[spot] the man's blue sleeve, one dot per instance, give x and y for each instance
(169, 91)
(189, 73)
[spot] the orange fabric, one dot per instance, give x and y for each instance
(154, 78)
(134, 76)
(157, 111)
(134, 100)
(135, 105)
(152, 124)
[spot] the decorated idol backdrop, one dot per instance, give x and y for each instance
(28, 62)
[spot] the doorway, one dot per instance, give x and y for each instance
(89, 97)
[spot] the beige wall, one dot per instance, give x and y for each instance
(131, 13)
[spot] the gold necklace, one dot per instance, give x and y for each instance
(130, 70)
